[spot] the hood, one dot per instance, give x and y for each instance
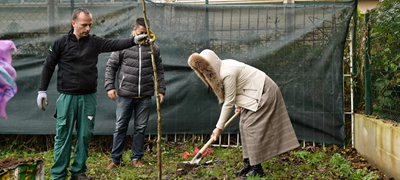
(207, 66)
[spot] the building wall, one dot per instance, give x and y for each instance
(364, 5)
(378, 140)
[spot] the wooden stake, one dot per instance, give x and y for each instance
(159, 132)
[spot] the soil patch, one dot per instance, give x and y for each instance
(12, 162)
(184, 168)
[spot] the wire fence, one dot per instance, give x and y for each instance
(380, 62)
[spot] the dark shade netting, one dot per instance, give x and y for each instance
(298, 45)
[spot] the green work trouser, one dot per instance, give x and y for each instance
(73, 111)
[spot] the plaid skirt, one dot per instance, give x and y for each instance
(267, 132)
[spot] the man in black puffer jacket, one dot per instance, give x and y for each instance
(133, 69)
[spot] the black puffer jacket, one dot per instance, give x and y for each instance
(135, 71)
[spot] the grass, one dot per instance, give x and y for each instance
(313, 162)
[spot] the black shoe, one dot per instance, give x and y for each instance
(254, 171)
(81, 177)
(245, 169)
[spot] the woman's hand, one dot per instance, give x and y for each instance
(216, 133)
(237, 110)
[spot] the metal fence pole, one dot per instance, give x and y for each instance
(354, 58)
(207, 42)
(52, 28)
(72, 9)
(353, 73)
(367, 67)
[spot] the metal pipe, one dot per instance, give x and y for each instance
(353, 72)
(367, 68)
(353, 57)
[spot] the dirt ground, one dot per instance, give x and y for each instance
(351, 154)
(11, 162)
(356, 160)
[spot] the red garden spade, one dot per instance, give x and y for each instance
(196, 159)
(185, 167)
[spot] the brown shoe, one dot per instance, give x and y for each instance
(137, 163)
(112, 165)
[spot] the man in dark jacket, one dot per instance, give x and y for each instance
(135, 88)
(76, 55)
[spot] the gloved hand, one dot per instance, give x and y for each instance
(42, 96)
(141, 39)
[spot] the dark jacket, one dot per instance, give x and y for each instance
(135, 71)
(77, 62)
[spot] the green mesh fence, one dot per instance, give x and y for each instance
(384, 59)
(298, 45)
(386, 94)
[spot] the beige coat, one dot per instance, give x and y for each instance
(233, 82)
(243, 85)
(265, 127)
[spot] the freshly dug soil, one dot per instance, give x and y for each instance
(11, 162)
(184, 168)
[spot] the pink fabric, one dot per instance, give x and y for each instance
(8, 75)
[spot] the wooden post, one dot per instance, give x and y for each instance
(159, 159)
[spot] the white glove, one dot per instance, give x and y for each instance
(42, 96)
(141, 39)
